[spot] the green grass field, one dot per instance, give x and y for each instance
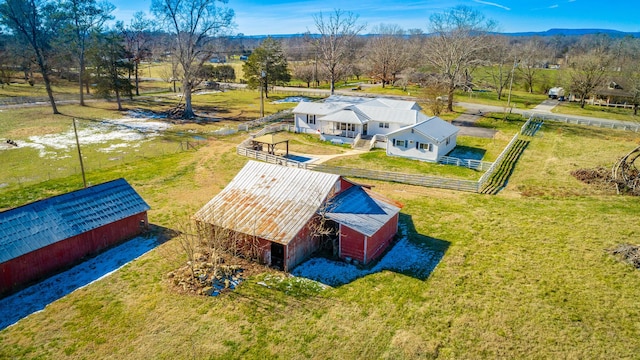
(524, 274)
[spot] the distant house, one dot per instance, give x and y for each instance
(288, 213)
(345, 117)
(427, 140)
(46, 236)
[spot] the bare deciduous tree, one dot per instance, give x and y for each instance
(136, 36)
(35, 23)
(500, 63)
(193, 24)
(587, 72)
(304, 72)
(531, 57)
(334, 46)
(459, 36)
(387, 53)
(81, 18)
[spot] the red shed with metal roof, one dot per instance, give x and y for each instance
(279, 209)
(46, 236)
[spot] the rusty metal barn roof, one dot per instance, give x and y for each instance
(45, 222)
(269, 201)
(360, 210)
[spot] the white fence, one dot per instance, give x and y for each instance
(620, 125)
(468, 163)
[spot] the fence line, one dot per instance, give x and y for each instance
(578, 121)
(468, 163)
(255, 123)
(412, 179)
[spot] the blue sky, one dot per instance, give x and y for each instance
(273, 17)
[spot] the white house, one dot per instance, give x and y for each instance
(345, 117)
(427, 140)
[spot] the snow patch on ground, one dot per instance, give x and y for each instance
(36, 297)
(404, 257)
(134, 128)
(291, 99)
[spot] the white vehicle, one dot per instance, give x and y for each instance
(556, 93)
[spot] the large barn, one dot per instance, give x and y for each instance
(286, 212)
(46, 236)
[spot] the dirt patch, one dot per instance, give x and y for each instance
(603, 179)
(24, 133)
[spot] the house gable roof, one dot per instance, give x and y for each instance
(269, 201)
(45, 222)
(357, 110)
(361, 210)
(350, 115)
(433, 128)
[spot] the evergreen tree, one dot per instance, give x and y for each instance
(266, 65)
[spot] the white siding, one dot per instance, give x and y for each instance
(409, 150)
(303, 127)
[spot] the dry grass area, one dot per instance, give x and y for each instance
(525, 274)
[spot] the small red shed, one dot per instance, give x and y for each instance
(367, 223)
(46, 236)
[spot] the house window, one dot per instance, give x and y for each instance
(401, 143)
(427, 147)
(383, 125)
(448, 140)
(311, 119)
(347, 127)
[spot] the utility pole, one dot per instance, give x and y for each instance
(515, 64)
(262, 74)
(75, 130)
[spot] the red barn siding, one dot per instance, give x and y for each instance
(45, 261)
(301, 246)
(379, 242)
(355, 245)
(351, 244)
(344, 184)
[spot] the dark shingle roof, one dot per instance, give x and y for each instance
(45, 222)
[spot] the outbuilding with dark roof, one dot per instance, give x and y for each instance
(46, 236)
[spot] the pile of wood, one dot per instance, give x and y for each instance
(177, 112)
(628, 253)
(624, 176)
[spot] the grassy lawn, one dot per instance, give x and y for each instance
(377, 159)
(525, 274)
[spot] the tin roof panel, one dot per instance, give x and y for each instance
(269, 201)
(42, 223)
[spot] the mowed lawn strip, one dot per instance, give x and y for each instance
(525, 274)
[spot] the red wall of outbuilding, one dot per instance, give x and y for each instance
(302, 245)
(37, 264)
(378, 243)
(352, 243)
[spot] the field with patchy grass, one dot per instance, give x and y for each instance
(524, 274)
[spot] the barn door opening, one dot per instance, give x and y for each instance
(277, 255)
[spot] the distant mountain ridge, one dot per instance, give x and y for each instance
(550, 32)
(574, 32)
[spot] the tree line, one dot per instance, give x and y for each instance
(460, 50)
